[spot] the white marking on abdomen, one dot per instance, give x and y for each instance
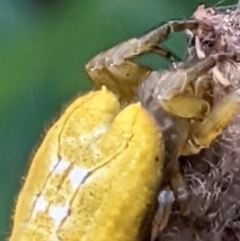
(59, 166)
(58, 214)
(77, 176)
(87, 138)
(40, 205)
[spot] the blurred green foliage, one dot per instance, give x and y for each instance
(44, 45)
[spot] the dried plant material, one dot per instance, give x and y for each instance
(218, 77)
(213, 177)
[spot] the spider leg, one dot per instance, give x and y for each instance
(114, 69)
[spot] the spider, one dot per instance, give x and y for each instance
(101, 166)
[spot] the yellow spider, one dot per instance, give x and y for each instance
(114, 151)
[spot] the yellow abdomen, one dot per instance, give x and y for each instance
(95, 175)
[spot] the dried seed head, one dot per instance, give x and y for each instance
(213, 177)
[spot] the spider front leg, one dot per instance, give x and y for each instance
(114, 69)
(202, 134)
(173, 189)
(184, 87)
(165, 199)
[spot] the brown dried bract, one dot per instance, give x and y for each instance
(218, 30)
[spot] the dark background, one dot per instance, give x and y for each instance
(44, 45)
